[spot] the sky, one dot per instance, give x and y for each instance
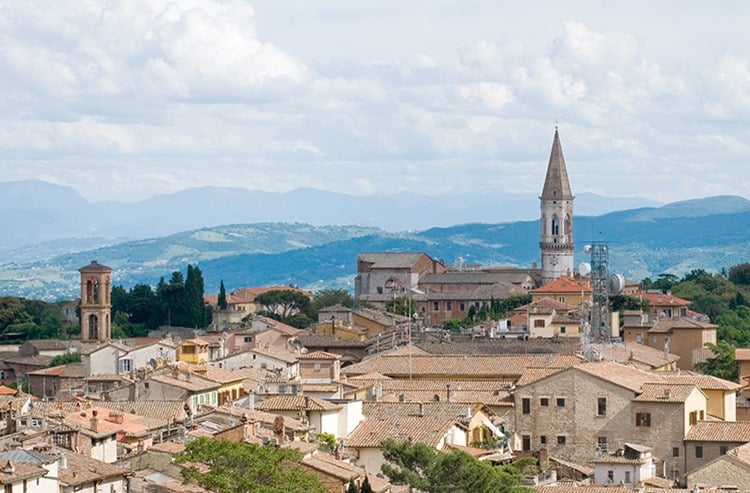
(124, 100)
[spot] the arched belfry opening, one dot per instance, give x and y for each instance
(95, 302)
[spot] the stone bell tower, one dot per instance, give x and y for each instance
(556, 238)
(95, 303)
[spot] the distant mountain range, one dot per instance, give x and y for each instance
(39, 219)
(708, 233)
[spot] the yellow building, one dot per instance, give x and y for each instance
(194, 351)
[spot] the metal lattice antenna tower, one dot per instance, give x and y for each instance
(600, 316)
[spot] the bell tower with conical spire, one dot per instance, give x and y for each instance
(556, 238)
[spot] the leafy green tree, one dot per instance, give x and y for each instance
(222, 299)
(665, 282)
(722, 365)
(64, 359)
(12, 311)
(143, 306)
(426, 469)
(240, 467)
(366, 488)
(282, 303)
(352, 488)
(120, 299)
(330, 297)
(740, 274)
(401, 305)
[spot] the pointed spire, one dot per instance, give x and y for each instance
(556, 184)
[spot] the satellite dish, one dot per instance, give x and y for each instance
(153, 363)
(584, 269)
(616, 283)
(587, 249)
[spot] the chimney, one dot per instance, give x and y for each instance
(9, 468)
(95, 421)
(667, 393)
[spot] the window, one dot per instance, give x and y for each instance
(561, 299)
(526, 405)
(601, 406)
(436, 305)
(126, 365)
(693, 418)
(316, 367)
(698, 451)
(602, 444)
(526, 442)
(544, 401)
(701, 415)
(675, 451)
(723, 450)
(561, 439)
(247, 339)
(561, 402)
(610, 475)
(462, 307)
(543, 439)
(563, 330)
(449, 306)
(627, 476)
(643, 419)
(380, 289)
(539, 323)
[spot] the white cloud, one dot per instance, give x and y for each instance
(277, 96)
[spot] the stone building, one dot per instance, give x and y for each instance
(556, 236)
(95, 303)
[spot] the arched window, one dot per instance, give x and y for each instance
(93, 327)
(555, 225)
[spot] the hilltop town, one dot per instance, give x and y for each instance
(544, 368)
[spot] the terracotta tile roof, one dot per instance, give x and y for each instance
(741, 453)
(71, 370)
(477, 367)
(703, 382)
(645, 357)
(7, 390)
(368, 377)
(52, 344)
(625, 376)
(318, 355)
(719, 431)
(82, 470)
(426, 429)
(661, 299)
(531, 375)
(564, 285)
(168, 447)
(21, 471)
(187, 381)
(391, 260)
(544, 305)
(295, 403)
(249, 294)
(332, 467)
(742, 354)
(218, 375)
(666, 325)
(445, 410)
(164, 410)
(406, 350)
(281, 355)
(262, 417)
(462, 391)
(663, 392)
